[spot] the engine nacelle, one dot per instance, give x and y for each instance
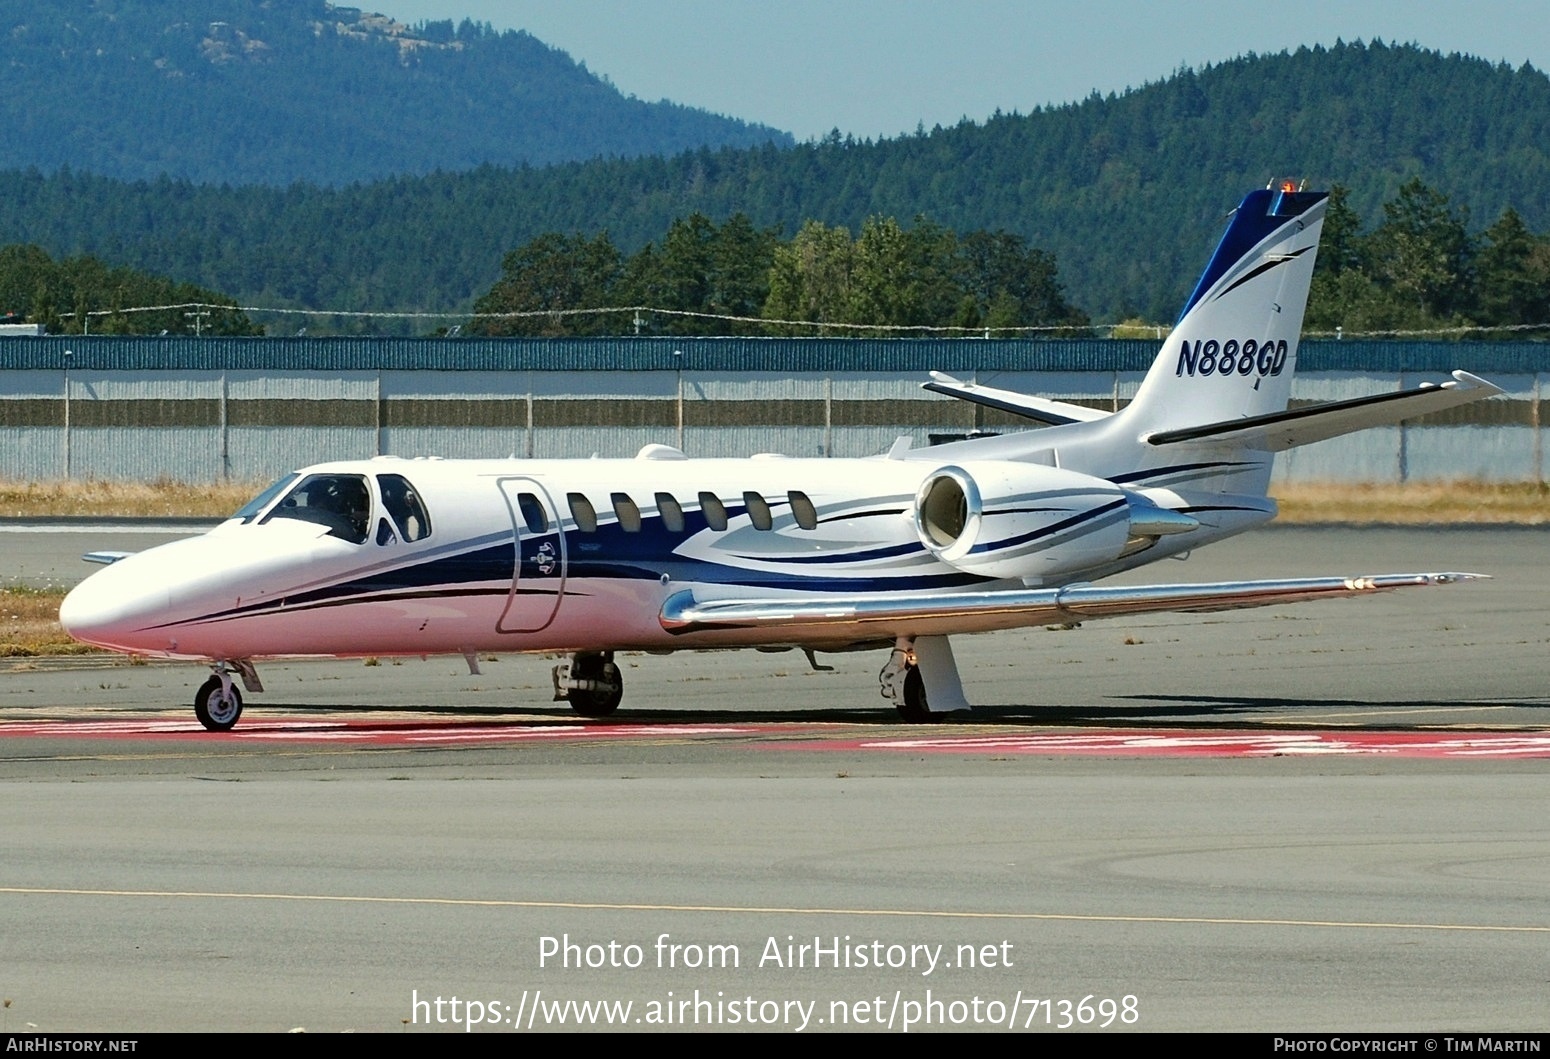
(1029, 521)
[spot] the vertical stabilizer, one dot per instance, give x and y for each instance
(1233, 351)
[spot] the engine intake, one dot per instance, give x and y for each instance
(1029, 521)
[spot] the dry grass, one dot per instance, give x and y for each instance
(1432, 503)
(29, 624)
(138, 499)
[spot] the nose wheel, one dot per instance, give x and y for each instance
(218, 704)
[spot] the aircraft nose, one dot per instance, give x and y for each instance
(114, 608)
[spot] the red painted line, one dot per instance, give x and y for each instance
(1152, 743)
(1113, 743)
(297, 730)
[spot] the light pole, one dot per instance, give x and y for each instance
(68, 355)
(678, 365)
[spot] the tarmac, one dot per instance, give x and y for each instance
(1323, 817)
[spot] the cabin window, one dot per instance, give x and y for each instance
(802, 510)
(338, 502)
(672, 513)
(533, 514)
(404, 505)
(714, 510)
(251, 509)
(627, 512)
(758, 511)
(583, 512)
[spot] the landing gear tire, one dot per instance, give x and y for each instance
(217, 708)
(602, 699)
(912, 706)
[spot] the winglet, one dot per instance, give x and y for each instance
(1475, 382)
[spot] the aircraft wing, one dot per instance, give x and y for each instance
(1303, 426)
(922, 614)
(1039, 409)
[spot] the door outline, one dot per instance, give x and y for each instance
(511, 488)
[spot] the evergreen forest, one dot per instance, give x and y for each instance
(1441, 164)
(82, 295)
(254, 92)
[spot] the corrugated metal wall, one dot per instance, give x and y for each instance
(200, 410)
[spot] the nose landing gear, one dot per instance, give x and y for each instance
(218, 704)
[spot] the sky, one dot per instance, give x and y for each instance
(875, 68)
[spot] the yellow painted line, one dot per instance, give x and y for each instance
(1406, 711)
(321, 750)
(896, 913)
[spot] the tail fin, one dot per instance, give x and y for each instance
(1233, 351)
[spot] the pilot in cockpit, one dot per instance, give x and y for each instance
(338, 502)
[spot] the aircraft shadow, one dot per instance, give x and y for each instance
(1183, 711)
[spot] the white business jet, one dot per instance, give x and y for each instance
(661, 552)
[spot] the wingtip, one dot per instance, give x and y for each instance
(1475, 382)
(1453, 578)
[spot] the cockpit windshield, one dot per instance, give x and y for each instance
(251, 509)
(339, 502)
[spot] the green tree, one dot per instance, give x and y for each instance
(84, 294)
(1421, 253)
(1340, 245)
(548, 275)
(907, 278)
(1013, 284)
(741, 259)
(678, 276)
(810, 279)
(705, 270)
(1513, 276)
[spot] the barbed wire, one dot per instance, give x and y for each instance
(1461, 329)
(388, 314)
(1159, 330)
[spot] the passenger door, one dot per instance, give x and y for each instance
(538, 568)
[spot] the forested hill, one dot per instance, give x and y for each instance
(252, 92)
(1128, 192)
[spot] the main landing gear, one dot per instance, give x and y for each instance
(590, 682)
(218, 704)
(921, 678)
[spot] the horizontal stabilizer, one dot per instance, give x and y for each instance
(1278, 431)
(1039, 409)
(105, 558)
(921, 614)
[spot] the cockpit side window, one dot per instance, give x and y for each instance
(251, 509)
(338, 502)
(404, 505)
